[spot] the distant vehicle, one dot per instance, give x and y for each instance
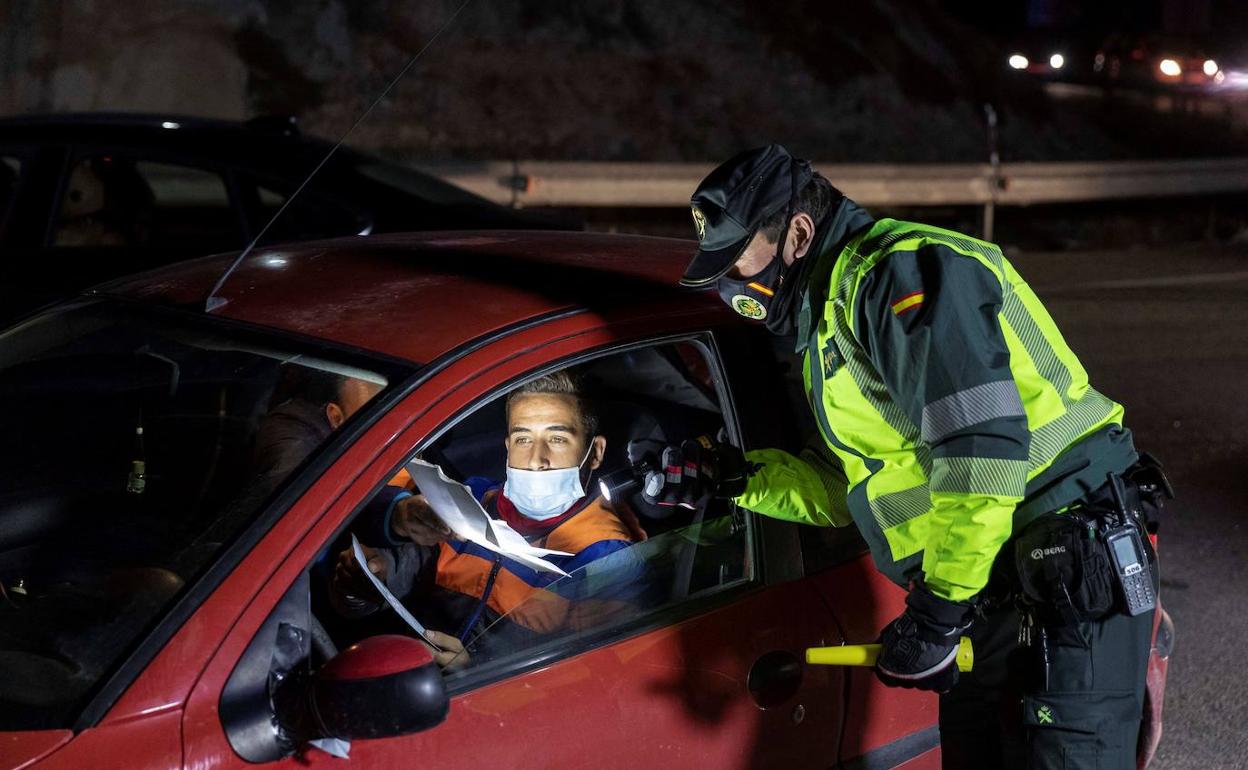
(89, 197)
(1155, 61)
(1049, 55)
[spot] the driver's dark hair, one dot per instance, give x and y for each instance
(562, 383)
(815, 199)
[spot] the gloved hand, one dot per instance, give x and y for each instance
(694, 471)
(920, 648)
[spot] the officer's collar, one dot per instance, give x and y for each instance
(848, 220)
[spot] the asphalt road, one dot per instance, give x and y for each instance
(1165, 332)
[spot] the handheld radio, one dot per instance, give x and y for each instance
(1130, 560)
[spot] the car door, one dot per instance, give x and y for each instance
(709, 675)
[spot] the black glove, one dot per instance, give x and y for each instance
(920, 648)
(695, 471)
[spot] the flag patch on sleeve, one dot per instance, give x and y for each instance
(908, 302)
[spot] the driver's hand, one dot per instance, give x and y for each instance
(453, 655)
(413, 519)
(350, 580)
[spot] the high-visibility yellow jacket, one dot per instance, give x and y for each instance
(951, 409)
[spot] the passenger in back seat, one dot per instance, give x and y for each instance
(310, 404)
(553, 448)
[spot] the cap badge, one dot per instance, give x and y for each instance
(699, 222)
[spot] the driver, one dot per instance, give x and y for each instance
(553, 448)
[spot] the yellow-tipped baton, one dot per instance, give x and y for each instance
(865, 655)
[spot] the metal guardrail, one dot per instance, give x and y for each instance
(643, 185)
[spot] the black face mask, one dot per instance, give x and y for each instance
(752, 297)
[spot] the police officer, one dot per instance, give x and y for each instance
(952, 415)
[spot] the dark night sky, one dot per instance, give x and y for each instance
(1220, 23)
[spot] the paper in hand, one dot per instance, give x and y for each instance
(389, 597)
(463, 515)
(335, 747)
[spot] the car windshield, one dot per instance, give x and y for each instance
(137, 444)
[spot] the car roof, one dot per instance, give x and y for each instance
(418, 296)
(265, 141)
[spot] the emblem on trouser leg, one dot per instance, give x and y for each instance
(1045, 715)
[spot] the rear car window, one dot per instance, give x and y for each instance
(112, 200)
(136, 447)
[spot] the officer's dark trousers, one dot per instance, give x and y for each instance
(1002, 714)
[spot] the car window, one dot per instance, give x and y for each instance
(622, 560)
(418, 184)
(136, 447)
(766, 380)
(310, 216)
(114, 200)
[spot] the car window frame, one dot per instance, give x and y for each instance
(761, 543)
(815, 549)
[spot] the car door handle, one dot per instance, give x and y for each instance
(774, 678)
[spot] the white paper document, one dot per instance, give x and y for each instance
(463, 515)
(335, 747)
(389, 597)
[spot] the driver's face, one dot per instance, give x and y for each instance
(544, 432)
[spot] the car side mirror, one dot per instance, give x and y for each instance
(381, 687)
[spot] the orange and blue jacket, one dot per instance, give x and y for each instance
(460, 587)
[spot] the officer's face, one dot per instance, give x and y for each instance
(755, 258)
(759, 253)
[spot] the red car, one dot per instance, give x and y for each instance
(164, 604)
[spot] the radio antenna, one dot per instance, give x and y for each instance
(212, 301)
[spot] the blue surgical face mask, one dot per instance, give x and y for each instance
(542, 495)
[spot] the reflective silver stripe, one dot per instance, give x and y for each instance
(944, 662)
(897, 508)
(1050, 440)
(1050, 367)
(970, 407)
(979, 476)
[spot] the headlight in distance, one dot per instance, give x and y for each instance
(1211, 67)
(1018, 61)
(1170, 68)
(1057, 61)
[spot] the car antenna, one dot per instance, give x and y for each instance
(212, 301)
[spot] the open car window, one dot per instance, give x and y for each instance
(137, 445)
(629, 562)
(619, 590)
